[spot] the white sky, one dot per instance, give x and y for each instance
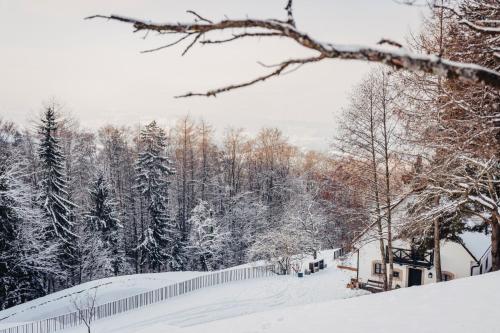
(94, 68)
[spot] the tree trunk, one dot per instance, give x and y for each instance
(437, 246)
(437, 237)
(387, 183)
(495, 243)
(377, 197)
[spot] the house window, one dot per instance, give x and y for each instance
(377, 268)
(395, 274)
(447, 276)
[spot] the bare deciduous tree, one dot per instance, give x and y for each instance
(86, 305)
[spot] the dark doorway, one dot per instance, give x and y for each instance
(414, 277)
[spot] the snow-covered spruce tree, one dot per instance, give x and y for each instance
(25, 256)
(153, 170)
(102, 221)
(206, 238)
(56, 204)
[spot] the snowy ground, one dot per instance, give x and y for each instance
(109, 289)
(209, 304)
(315, 303)
(232, 300)
(459, 306)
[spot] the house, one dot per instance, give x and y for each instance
(471, 255)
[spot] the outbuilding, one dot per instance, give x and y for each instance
(468, 256)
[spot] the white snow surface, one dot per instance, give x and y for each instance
(204, 305)
(459, 306)
(109, 289)
(315, 303)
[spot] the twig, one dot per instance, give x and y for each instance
(389, 42)
(168, 45)
(199, 16)
(277, 72)
(238, 36)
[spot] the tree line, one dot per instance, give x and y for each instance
(78, 204)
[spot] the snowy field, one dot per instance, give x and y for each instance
(459, 306)
(315, 303)
(209, 304)
(232, 300)
(109, 289)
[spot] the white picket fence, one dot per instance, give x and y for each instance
(134, 302)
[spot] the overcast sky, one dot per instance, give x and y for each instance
(95, 69)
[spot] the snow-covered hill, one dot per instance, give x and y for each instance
(208, 304)
(109, 289)
(315, 303)
(459, 306)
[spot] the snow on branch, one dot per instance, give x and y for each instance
(472, 25)
(397, 58)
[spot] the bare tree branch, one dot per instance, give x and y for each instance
(277, 72)
(238, 36)
(398, 59)
(168, 45)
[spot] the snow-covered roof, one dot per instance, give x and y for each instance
(476, 242)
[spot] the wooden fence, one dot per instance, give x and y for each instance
(134, 302)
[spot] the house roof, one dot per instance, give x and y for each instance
(476, 242)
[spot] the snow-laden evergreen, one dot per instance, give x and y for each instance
(55, 201)
(153, 170)
(25, 255)
(103, 222)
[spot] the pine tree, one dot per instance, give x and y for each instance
(153, 169)
(25, 256)
(103, 221)
(57, 206)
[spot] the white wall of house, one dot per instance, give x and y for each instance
(455, 261)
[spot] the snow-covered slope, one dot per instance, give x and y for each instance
(109, 289)
(232, 300)
(315, 303)
(459, 306)
(223, 301)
